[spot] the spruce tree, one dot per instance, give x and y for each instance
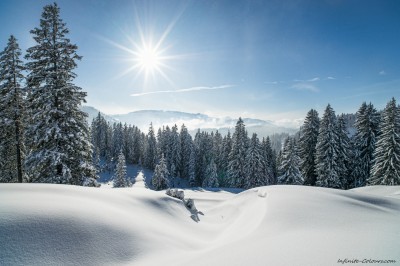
(211, 176)
(151, 149)
(367, 125)
(160, 176)
(255, 164)
(12, 113)
(236, 166)
(60, 148)
(307, 147)
(386, 167)
(186, 145)
(270, 161)
(120, 176)
(345, 154)
(327, 152)
(290, 165)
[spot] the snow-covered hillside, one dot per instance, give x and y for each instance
(43, 224)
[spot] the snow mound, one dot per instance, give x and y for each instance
(42, 224)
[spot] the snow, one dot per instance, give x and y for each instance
(44, 224)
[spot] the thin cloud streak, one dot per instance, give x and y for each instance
(183, 90)
(305, 87)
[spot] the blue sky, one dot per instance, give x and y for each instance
(263, 59)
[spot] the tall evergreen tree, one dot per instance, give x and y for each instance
(186, 145)
(120, 176)
(328, 172)
(307, 147)
(255, 164)
(345, 155)
(290, 165)
(236, 167)
(151, 149)
(270, 161)
(386, 167)
(211, 176)
(160, 176)
(367, 125)
(12, 112)
(60, 148)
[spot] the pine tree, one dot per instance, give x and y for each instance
(270, 161)
(307, 147)
(255, 164)
(192, 167)
(345, 155)
(160, 176)
(386, 167)
(236, 169)
(211, 176)
(327, 151)
(60, 148)
(12, 113)
(290, 165)
(367, 125)
(120, 176)
(151, 149)
(186, 145)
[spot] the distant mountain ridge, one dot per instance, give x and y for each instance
(192, 121)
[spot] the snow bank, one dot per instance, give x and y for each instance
(42, 224)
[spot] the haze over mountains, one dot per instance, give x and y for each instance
(193, 122)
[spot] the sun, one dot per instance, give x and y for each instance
(149, 59)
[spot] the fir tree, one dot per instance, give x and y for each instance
(386, 167)
(60, 147)
(186, 145)
(120, 176)
(211, 176)
(255, 164)
(270, 161)
(151, 149)
(192, 167)
(327, 151)
(236, 166)
(307, 147)
(345, 155)
(12, 112)
(367, 125)
(290, 165)
(160, 176)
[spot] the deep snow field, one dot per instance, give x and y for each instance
(44, 224)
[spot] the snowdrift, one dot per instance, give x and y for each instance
(43, 224)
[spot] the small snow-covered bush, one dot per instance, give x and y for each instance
(179, 194)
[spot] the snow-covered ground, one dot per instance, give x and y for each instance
(43, 224)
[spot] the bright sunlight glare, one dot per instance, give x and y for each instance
(149, 59)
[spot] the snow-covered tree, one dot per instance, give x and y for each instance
(192, 167)
(307, 147)
(60, 148)
(12, 114)
(211, 176)
(345, 154)
(151, 149)
(120, 176)
(328, 172)
(270, 161)
(160, 176)
(290, 165)
(367, 125)
(386, 167)
(186, 145)
(174, 152)
(236, 166)
(255, 164)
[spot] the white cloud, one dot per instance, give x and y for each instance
(183, 90)
(330, 78)
(305, 87)
(382, 73)
(314, 79)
